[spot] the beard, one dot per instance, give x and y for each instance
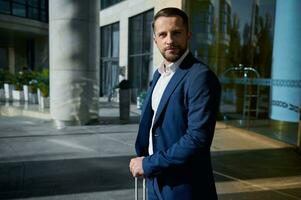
(174, 55)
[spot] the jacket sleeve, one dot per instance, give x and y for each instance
(203, 96)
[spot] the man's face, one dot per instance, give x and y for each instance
(171, 37)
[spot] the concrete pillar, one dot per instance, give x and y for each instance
(11, 60)
(286, 70)
(74, 61)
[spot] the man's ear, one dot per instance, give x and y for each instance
(154, 38)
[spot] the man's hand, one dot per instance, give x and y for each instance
(136, 166)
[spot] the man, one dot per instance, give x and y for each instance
(178, 118)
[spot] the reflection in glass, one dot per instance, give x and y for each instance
(140, 50)
(235, 38)
(33, 9)
(109, 59)
(33, 13)
(19, 10)
(4, 7)
(34, 3)
(107, 3)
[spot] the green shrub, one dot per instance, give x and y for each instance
(33, 85)
(44, 89)
(43, 82)
(8, 77)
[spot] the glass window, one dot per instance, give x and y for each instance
(20, 1)
(19, 10)
(44, 4)
(34, 3)
(33, 9)
(107, 3)
(3, 58)
(33, 13)
(109, 59)
(115, 40)
(4, 7)
(140, 49)
(239, 49)
(44, 16)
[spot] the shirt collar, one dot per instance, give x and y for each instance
(172, 67)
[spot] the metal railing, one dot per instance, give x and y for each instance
(247, 109)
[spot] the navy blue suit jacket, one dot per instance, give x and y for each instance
(182, 133)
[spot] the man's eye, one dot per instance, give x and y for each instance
(162, 34)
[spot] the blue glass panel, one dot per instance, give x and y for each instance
(19, 10)
(34, 3)
(4, 7)
(20, 1)
(33, 13)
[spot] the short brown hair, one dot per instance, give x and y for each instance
(170, 12)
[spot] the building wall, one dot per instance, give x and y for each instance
(127, 9)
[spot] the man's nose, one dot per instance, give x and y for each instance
(169, 38)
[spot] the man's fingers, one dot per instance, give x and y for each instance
(132, 166)
(135, 166)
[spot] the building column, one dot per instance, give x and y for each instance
(74, 61)
(286, 70)
(11, 60)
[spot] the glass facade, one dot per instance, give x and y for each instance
(3, 58)
(32, 9)
(140, 50)
(107, 3)
(109, 58)
(235, 38)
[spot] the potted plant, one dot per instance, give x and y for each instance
(18, 90)
(43, 88)
(27, 77)
(44, 99)
(124, 100)
(33, 85)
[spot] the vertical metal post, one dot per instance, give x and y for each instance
(136, 188)
(144, 189)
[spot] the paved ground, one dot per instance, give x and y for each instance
(40, 162)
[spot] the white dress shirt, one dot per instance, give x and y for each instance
(167, 73)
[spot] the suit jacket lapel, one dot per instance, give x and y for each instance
(147, 104)
(175, 80)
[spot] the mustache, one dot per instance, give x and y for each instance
(171, 47)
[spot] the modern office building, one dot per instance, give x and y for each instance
(252, 45)
(241, 41)
(23, 34)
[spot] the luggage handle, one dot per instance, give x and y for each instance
(143, 191)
